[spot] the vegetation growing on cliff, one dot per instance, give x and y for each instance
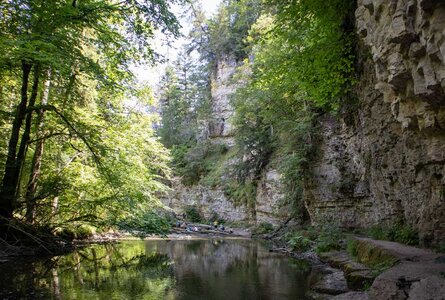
(294, 62)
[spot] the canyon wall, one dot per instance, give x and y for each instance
(381, 159)
(217, 129)
(386, 161)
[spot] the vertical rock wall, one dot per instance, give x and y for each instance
(219, 130)
(387, 161)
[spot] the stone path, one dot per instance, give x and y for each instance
(418, 275)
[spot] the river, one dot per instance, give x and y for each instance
(227, 269)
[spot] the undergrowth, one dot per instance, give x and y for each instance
(399, 232)
(321, 238)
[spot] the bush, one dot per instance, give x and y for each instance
(193, 214)
(263, 228)
(397, 232)
(241, 193)
(79, 232)
(441, 247)
(298, 242)
(378, 232)
(329, 238)
(403, 234)
(144, 223)
(195, 162)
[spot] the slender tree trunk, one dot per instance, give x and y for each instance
(56, 284)
(21, 154)
(9, 183)
(55, 206)
(38, 154)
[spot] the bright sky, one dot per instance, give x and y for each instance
(152, 74)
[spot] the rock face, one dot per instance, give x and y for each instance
(268, 206)
(387, 160)
(213, 200)
(208, 201)
(219, 130)
(383, 162)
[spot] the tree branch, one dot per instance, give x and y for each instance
(52, 108)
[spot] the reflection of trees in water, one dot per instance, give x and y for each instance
(206, 269)
(100, 272)
(235, 269)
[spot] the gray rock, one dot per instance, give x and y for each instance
(420, 280)
(387, 161)
(332, 284)
(352, 296)
(430, 288)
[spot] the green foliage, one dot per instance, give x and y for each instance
(194, 163)
(144, 223)
(351, 247)
(322, 238)
(308, 48)
(397, 232)
(378, 232)
(229, 29)
(71, 231)
(184, 97)
(404, 234)
(263, 228)
(329, 238)
(299, 242)
(193, 214)
(241, 193)
(101, 161)
(302, 64)
(382, 266)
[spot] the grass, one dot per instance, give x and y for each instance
(364, 253)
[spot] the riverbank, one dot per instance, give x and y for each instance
(362, 268)
(375, 269)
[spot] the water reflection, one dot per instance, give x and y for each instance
(196, 269)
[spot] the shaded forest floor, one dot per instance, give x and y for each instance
(21, 239)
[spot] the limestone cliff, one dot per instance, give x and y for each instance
(387, 160)
(382, 160)
(217, 129)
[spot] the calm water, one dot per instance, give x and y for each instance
(178, 269)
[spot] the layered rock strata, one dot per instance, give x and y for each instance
(386, 162)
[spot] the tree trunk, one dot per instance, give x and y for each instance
(21, 154)
(38, 154)
(8, 189)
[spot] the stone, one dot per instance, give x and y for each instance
(207, 200)
(352, 296)
(358, 280)
(332, 284)
(269, 207)
(420, 280)
(416, 50)
(369, 6)
(430, 288)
